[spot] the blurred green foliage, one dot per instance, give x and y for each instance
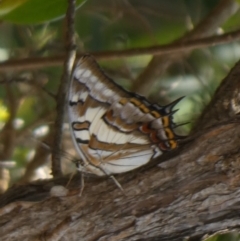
(33, 11)
(234, 236)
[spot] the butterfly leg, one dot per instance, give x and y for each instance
(81, 169)
(82, 184)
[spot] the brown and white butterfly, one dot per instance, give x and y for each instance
(115, 131)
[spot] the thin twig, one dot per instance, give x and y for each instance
(63, 88)
(7, 137)
(40, 158)
(176, 47)
(8, 133)
(138, 17)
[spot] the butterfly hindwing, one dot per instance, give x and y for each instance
(114, 130)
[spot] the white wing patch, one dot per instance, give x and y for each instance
(82, 134)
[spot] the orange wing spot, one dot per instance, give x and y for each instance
(139, 104)
(169, 133)
(135, 101)
(144, 109)
(145, 129)
(162, 146)
(155, 114)
(173, 144)
(165, 121)
(154, 137)
(123, 101)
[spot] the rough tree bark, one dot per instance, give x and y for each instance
(187, 193)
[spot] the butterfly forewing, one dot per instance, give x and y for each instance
(114, 130)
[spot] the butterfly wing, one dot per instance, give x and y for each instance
(114, 130)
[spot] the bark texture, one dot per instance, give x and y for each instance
(188, 193)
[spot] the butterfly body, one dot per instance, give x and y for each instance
(114, 130)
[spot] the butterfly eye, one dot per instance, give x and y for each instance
(77, 163)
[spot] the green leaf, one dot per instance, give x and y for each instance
(7, 6)
(38, 11)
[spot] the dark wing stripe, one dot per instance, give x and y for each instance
(80, 141)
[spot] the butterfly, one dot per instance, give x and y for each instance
(114, 130)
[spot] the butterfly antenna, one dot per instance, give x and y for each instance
(117, 183)
(113, 178)
(65, 154)
(54, 96)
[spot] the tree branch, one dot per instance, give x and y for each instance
(63, 88)
(172, 48)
